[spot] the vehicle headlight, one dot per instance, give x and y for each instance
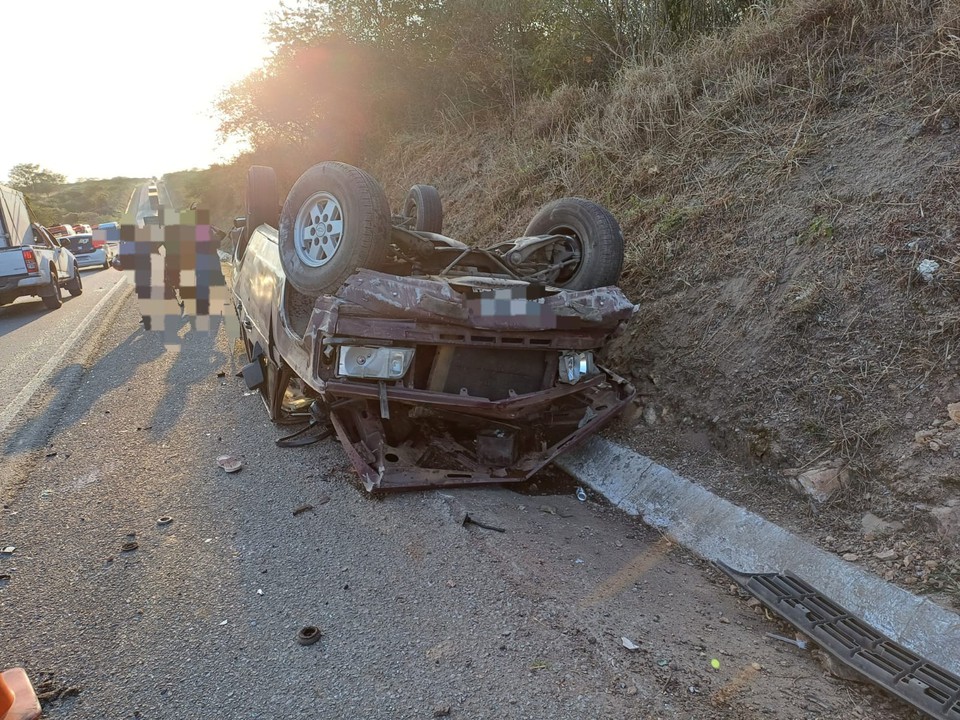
(576, 365)
(384, 363)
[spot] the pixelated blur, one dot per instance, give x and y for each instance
(176, 273)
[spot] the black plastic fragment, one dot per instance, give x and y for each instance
(926, 686)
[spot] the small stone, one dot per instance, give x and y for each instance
(756, 666)
(953, 410)
(851, 557)
(934, 445)
(441, 711)
(885, 555)
(650, 415)
(632, 690)
(821, 482)
(873, 525)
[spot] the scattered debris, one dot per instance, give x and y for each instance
(259, 591)
(851, 557)
(927, 268)
(467, 519)
(8, 550)
(441, 711)
(650, 415)
(308, 635)
(4, 579)
(164, 520)
(229, 463)
(850, 641)
(953, 410)
(221, 374)
(581, 494)
(629, 644)
(551, 510)
(306, 507)
(715, 664)
(802, 644)
(50, 455)
(129, 546)
(322, 500)
(147, 427)
(885, 554)
(223, 622)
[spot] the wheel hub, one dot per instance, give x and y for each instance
(318, 230)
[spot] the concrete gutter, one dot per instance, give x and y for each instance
(717, 529)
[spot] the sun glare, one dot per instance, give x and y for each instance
(118, 88)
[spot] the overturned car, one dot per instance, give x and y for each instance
(435, 363)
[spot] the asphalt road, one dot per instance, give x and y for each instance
(421, 616)
(29, 333)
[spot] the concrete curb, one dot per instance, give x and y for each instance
(717, 529)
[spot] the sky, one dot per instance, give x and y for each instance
(108, 88)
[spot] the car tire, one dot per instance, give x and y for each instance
(55, 300)
(335, 219)
(74, 286)
(261, 205)
(593, 231)
(424, 207)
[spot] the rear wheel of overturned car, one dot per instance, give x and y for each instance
(74, 286)
(54, 299)
(595, 242)
(424, 208)
(261, 205)
(335, 219)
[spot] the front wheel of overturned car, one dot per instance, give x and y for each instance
(74, 286)
(261, 204)
(335, 219)
(424, 208)
(594, 251)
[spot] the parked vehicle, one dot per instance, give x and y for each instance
(32, 261)
(435, 363)
(58, 231)
(153, 197)
(90, 251)
(81, 229)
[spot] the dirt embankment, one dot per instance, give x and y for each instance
(788, 195)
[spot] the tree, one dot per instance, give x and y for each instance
(29, 176)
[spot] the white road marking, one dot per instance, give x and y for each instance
(56, 360)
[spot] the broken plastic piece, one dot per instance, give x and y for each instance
(229, 463)
(8, 550)
(164, 520)
(629, 644)
(802, 644)
(926, 686)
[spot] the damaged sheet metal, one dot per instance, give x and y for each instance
(919, 682)
(431, 380)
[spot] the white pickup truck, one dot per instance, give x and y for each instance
(32, 262)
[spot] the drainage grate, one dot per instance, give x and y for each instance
(925, 685)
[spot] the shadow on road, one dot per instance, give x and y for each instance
(198, 359)
(15, 316)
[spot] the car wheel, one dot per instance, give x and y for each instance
(262, 203)
(594, 235)
(54, 300)
(74, 286)
(335, 219)
(423, 206)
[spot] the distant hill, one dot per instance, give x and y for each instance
(86, 201)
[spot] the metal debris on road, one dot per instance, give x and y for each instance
(129, 546)
(629, 644)
(308, 635)
(164, 520)
(581, 494)
(472, 521)
(802, 644)
(229, 463)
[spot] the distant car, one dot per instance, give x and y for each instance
(59, 231)
(90, 252)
